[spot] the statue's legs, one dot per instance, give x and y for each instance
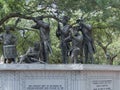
(81, 55)
(9, 60)
(42, 51)
(45, 53)
(90, 50)
(91, 58)
(74, 55)
(13, 60)
(5, 60)
(64, 54)
(86, 53)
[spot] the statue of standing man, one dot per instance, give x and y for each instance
(9, 45)
(88, 42)
(44, 29)
(76, 39)
(63, 33)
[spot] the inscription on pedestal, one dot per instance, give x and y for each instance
(45, 84)
(101, 84)
(45, 87)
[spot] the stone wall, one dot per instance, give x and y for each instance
(59, 77)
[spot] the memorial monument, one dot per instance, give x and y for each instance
(50, 44)
(76, 41)
(33, 72)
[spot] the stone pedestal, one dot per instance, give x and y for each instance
(59, 77)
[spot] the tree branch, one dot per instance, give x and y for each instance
(102, 46)
(112, 59)
(12, 15)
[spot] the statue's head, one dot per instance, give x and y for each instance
(75, 30)
(65, 20)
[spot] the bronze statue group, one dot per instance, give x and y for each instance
(76, 43)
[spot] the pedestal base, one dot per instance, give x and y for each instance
(59, 77)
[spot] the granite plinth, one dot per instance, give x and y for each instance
(59, 77)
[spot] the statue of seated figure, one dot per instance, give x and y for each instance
(32, 55)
